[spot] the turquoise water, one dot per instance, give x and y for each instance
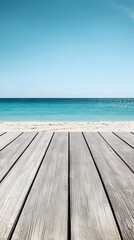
(96, 109)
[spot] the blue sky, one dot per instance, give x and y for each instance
(66, 48)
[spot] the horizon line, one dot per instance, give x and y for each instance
(66, 97)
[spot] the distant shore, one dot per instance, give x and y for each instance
(67, 126)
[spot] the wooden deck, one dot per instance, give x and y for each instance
(59, 186)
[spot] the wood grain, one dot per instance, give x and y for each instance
(12, 152)
(121, 148)
(119, 183)
(44, 216)
(91, 216)
(15, 186)
(7, 138)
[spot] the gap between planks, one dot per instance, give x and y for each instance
(126, 158)
(11, 154)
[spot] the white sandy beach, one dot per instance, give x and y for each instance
(67, 126)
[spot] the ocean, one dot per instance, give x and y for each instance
(71, 109)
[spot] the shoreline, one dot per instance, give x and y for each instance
(67, 126)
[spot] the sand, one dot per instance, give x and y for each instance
(67, 126)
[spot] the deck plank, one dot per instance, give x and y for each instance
(14, 188)
(121, 148)
(118, 180)
(45, 213)
(12, 152)
(127, 137)
(7, 138)
(91, 215)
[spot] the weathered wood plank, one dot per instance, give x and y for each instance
(91, 215)
(45, 213)
(15, 186)
(127, 137)
(121, 148)
(7, 138)
(12, 152)
(118, 180)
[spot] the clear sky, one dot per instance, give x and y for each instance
(66, 48)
